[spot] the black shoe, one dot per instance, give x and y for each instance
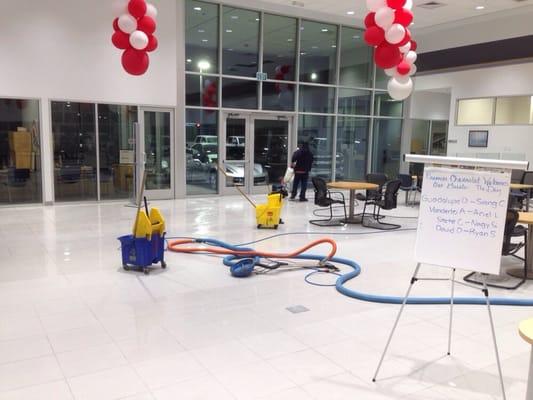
(303, 200)
(292, 198)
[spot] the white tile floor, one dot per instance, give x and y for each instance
(74, 325)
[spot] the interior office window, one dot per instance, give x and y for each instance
(239, 93)
(240, 41)
(439, 138)
(20, 152)
(116, 141)
(201, 153)
(382, 79)
(317, 99)
(386, 146)
(354, 101)
(356, 59)
(201, 36)
(515, 110)
(278, 96)
(385, 106)
(420, 136)
(279, 47)
(317, 131)
(201, 90)
(352, 142)
(318, 52)
(73, 131)
(475, 111)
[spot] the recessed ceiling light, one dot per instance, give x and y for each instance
(480, 7)
(201, 30)
(350, 12)
(314, 47)
(205, 40)
(229, 31)
(356, 37)
(234, 17)
(257, 19)
(289, 40)
(197, 8)
(334, 46)
(324, 29)
(189, 60)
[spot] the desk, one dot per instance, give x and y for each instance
(527, 188)
(527, 219)
(525, 329)
(352, 187)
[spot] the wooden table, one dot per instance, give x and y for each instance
(527, 188)
(353, 187)
(527, 219)
(525, 330)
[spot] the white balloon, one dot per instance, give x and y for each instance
(127, 23)
(395, 34)
(120, 7)
(385, 17)
(390, 71)
(410, 57)
(374, 5)
(151, 11)
(413, 70)
(139, 40)
(398, 90)
(408, 4)
(403, 79)
(405, 48)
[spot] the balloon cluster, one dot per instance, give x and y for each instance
(134, 27)
(209, 94)
(395, 50)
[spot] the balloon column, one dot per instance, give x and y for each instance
(134, 28)
(394, 49)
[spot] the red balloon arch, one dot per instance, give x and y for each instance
(134, 28)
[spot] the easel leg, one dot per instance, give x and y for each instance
(413, 280)
(486, 293)
(451, 313)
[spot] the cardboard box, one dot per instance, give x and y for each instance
(21, 160)
(20, 142)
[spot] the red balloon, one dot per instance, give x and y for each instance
(404, 68)
(374, 36)
(387, 55)
(121, 40)
(146, 24)
(115, 25)
(414, 45)
(135, 62)
(406, 38)
(403, 16)
(137, 8)
(396, 4)
(152, 43)
(370, 20)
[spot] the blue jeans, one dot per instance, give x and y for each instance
(300, 180)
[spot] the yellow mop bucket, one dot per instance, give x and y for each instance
(269, 215)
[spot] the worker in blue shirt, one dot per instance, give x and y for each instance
(302, 162)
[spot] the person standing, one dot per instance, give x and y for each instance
(302, 162)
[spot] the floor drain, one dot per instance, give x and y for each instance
(297, 309)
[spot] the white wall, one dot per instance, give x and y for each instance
(494, 81)
(430, 105)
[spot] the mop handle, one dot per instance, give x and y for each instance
(237, 187)
(139, 202)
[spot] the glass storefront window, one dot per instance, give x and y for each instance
(354, 101)
(157, 148)
(352, 144)
(279, 47)
(240, 41)
(386, 146)
(73, 131)
(317, 99)
(201, 153)
(382, 79)
(20, 152)
(116, 150)
(201, 36)
(317, 130)
(278, 96)
(201, 90)
(318, 52)
(356, 59)
(239, 93)
(385, 106)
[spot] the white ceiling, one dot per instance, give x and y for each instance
(453, 10)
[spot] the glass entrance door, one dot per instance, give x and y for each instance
(156, 144)
(255, 152)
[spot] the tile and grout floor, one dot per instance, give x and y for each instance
(74, 325)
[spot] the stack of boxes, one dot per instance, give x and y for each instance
(20, 146)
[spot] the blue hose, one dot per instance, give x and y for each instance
(342, 280)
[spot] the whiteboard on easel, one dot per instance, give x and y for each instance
(462, 218)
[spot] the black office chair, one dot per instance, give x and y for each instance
(519, 197)
(388, 201)
(517, 175)
(377, 178)
(512, 230)
(407, 186)
(323, 198)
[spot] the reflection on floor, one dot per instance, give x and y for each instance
(75, 326)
